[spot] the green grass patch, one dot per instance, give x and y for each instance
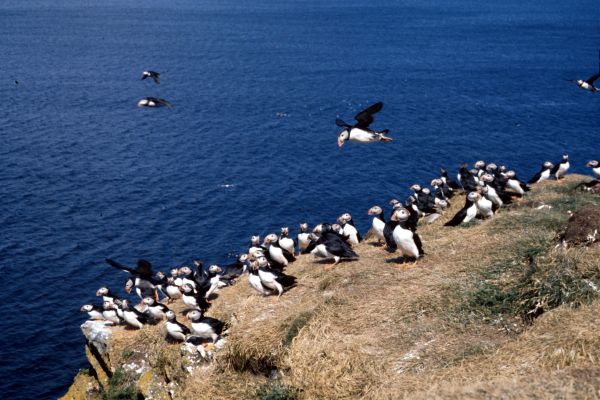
(276, 391)
(296, 324)
(120, 387)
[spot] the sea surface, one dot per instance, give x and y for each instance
(250, 144)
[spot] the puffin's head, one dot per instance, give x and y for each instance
(393, 202)
(303, 227)
(107, 305)
(185, 271)
(255, 240)
(271, 238)
(285, 231)
(160, 275)
(473, 196)
(592, 163)
(510, 174)
(198, 263)
(149, 301)
(547, 165)
(502, 168)
(425, 191)
(345, 217)
(375, 210)
(485, 189)
(479, 164)
(262, 261)
(565, 157)
(487, 178)
(214, 269)
(243, 258)
(129, 285)
(194, 315)
(443, 204)
(416, 187)
(337, 228)
(400, 214)
(103, 291)
(170, 315)
(86, 308)
(491, 167)
(436, 182)
(187, 288)
(580, 81)
(342, 137)
(174, 271)
(318, 229)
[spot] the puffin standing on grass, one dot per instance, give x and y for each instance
(286, 242)
(403, 236)
(132, 316)
(276, 253)
(378, 222)
(360, 132)
(348, 229)
(331, 245)
(94, 311)
(157, 311)
(467, 213)
(515, 184)
(561, 168)
(175, 329)
(595, 166)
(275, 280)
(542, 174)
(205, 327)
(304, 238)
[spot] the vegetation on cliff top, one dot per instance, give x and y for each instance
(498, 309)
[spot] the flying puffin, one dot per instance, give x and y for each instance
(348, 228)
(561, 168)
(140, 277)
(543, 173)
(402, 236)
(132, 316)
(304, 238)
(378, 222)
(331, 245)
(515, 184)
(156, 311)
(587, 84)
(151, 74)
(205, 327)
(94, 311)
(285, 242)
(360, 132)
(467, 213)
(154, 102)
(176, 330)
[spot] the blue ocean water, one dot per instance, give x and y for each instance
(251, 143)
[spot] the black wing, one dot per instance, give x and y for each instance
(365, 117)
(592, 78)
(120, 266)
(164, 103)
(535, 178)
(336, 246)
(458, 218)
(341, 123)
(184, 329)
(155, 76)
(388, 234)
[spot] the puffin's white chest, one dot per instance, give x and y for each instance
(404, 239)
(596, 172)
(471, 213)
(362, 136)
(378, 226)
(303, 240)
(585, 85)
(544, 175)
(202, 329)
(266, 277)
(287, 244)
(562, 169)
(277, 255)
(255, 282)
(175, 330)
(492, 195)
(321, 251)
(351, 232)
(173, 292)
(485, 207)
(514, 185)
(131, 318)
(189, 300)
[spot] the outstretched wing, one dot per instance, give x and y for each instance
(341, 123)
(120, 266)
(365, 117)
(164, 103)
(592, 78)
(156, 77)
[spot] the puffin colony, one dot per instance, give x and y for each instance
(487, 187)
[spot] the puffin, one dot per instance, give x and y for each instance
(467, 179)
(490, 192)
(275, 280)
(255, 246)
(215, 281)
(447, 180)
(157, 311)
(442, 192)
(233, 271)
(595, 166)
(479, 166)
(168, 286)
(112, 312)
(360, 132)
(193, 299)
(515, 184)
(154, 102)
(402, 236)
(484, 206)
(348, 228)
(587, 84)
(378, 222)
(304, 238)
(140, 277)
(151, 74)
(132, 316)
(175, 329)
(205, 327)
(285, 242)
(542, 174)
(253, 278)
(467, 213)
(561, 168)
(107, 295)
(94, 311)
(331, 245)
(278, 255)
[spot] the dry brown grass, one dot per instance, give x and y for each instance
(381, 330)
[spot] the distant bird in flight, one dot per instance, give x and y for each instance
(588, 84)
(154, 102)
(151, 74)
(360, 132)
